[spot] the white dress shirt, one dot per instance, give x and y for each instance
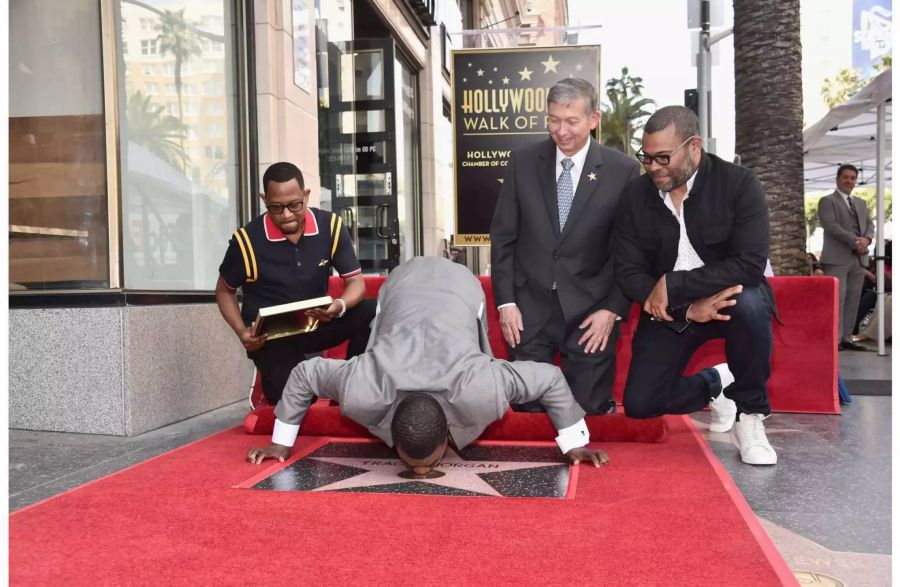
(687, 257)
(577, 161)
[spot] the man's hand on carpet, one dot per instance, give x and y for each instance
(273, 451)
(583, 453)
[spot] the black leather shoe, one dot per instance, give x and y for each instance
(607, 407)
(852, 346)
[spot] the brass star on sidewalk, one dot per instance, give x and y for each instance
(458, 473)
(526, 74)
(550, 65)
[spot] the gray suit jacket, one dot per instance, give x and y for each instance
(429, 335)
(837, 223)
(529, 253)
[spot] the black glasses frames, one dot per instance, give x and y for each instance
(662, 158)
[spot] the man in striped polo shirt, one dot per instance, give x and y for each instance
(287, 255)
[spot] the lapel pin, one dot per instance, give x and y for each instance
(592, 176)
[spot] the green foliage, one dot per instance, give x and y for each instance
(846, 83)
(625, 113)
(160, 133)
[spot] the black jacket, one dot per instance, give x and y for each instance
(529, 252)
(727, 221)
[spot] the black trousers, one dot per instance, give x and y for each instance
(277, 358)
(589, 375)
(655, 383)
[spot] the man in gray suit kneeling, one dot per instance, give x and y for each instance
(428, 376)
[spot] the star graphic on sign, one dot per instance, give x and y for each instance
(480, 73)
(505, 81)
(592, 176)
(495, 69)
(578, 67)
(550, 65)
(526, 74)
(465, 80)
(458, 473)
(469, 64)
(500, 180)
(490, 82)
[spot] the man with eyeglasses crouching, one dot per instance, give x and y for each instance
(286, 255)
(691, 245)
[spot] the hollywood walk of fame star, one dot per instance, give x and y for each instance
(526, 74)
(592, 176)
(505, 81)
(458, 473)
(550, 65)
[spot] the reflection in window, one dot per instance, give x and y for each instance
(362, 75)
(179, 199)
(58, 236)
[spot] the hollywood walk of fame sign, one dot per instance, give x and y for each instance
(479, 470)
(500, 104)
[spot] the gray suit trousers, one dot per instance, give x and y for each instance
(851, 277)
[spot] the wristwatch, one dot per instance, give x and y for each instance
(343, 307)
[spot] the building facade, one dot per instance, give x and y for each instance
(137, 140)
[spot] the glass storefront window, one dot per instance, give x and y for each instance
(58, 235)
(178, 141)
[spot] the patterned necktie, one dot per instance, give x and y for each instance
(854, 215)
(565, 191)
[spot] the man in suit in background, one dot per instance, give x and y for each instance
(692, 239)
(848, 233)
(551, 266)
(428, 376)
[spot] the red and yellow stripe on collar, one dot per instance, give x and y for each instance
(335, 231)
(243, 241)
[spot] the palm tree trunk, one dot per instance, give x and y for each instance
(769, 119)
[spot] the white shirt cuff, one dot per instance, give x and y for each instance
(506, 305)
(574, 436)
(285, 434)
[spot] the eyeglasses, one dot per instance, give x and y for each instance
(276, 209)
(663, 159)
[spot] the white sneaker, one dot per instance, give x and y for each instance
(723, 409)
(749, 435)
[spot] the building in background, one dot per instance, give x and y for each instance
(137, 140)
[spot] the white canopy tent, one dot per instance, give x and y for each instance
(856, 132)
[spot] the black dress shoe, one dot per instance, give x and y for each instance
(607, 407)
(852, 346)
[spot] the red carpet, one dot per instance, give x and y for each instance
(659, 514)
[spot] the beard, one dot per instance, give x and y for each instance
(678, 178)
